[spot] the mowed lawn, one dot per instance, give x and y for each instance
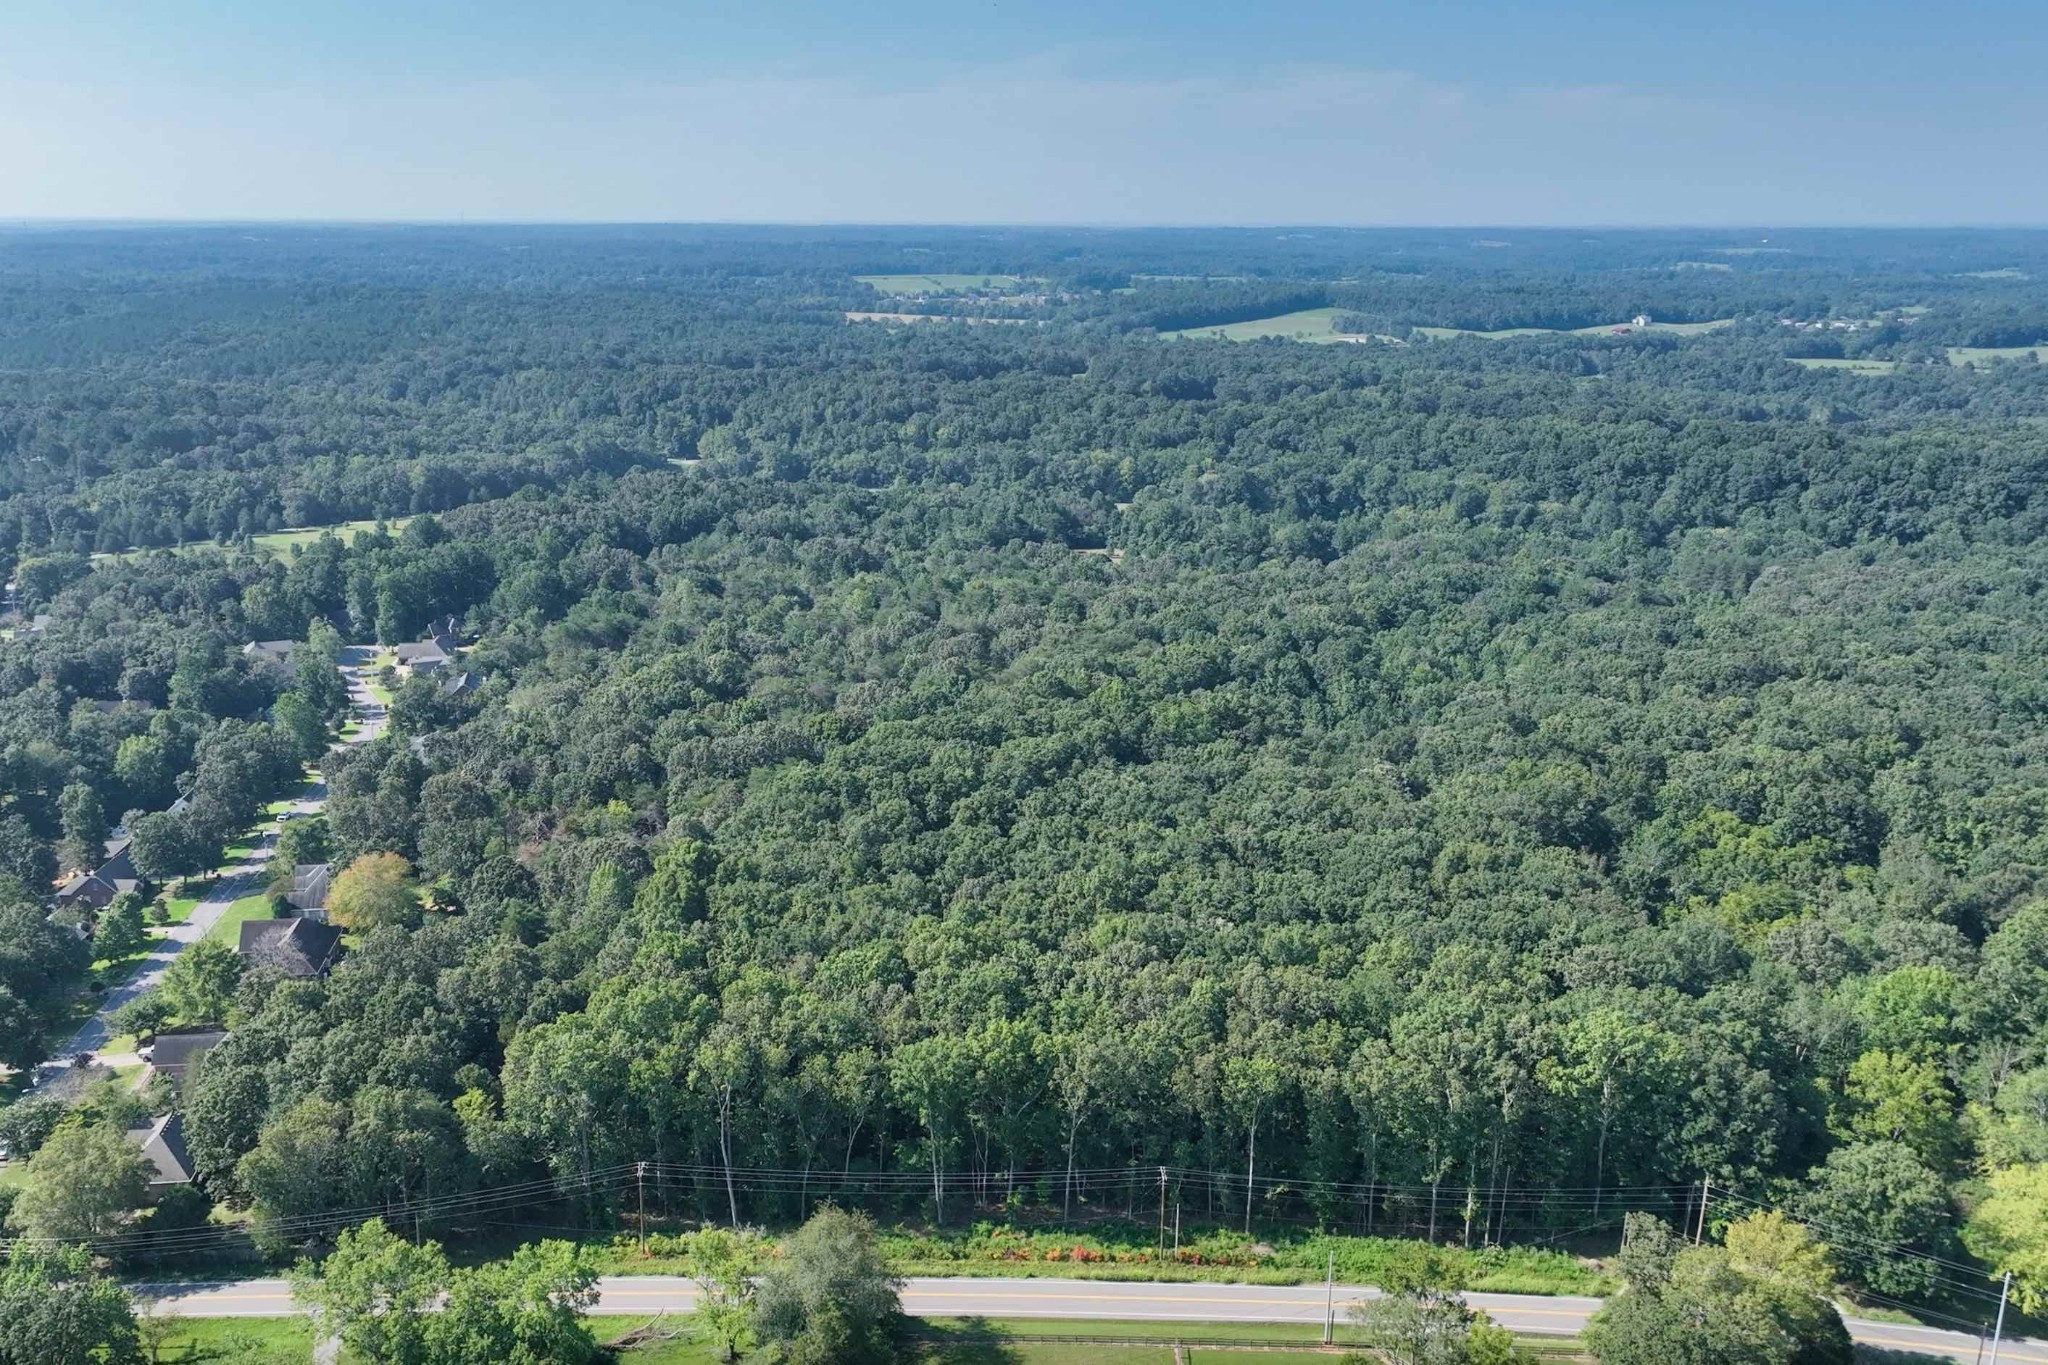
(278, 543)
(240, 1339)
(228, 928)
(940, 284)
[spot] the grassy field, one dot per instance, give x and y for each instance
(1681, 329)
(1966, 355)
(278, 543)
(1310, 324)
(1446, 333)
(1849, 366)
(942, 284)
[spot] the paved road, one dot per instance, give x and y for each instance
(1105, 1300)
(243, 878)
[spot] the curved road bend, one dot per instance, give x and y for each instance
(1106, 1300)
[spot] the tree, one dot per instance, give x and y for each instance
(528, 1308)
(1429, 1327)
(301, 841)
(457, 822)
(1770, 1245)
(1891, 1097)
(375, 1291)
(27, 1123)
(56, 1310)
(145, 768)
(300, 720)
(376, 889)
(121, 929)
(199, 985)
(723, 1263)
(2009, 1231)
(1694, 1306)
(1869, 1195)
(166, 845)
(82, 1184)
(22, 855)
(299, 1166)
(831, 1299)
(1613, 1064)
(85, 826)
(932, 1075)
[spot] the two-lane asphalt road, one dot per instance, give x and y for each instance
(1106, 1301)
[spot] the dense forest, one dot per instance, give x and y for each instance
(1465, 786)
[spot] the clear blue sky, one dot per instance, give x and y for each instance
(1252, 111)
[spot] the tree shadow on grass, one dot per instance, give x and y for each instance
(969, 1341)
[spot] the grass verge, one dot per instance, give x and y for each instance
(242, 1340)
(228, 927)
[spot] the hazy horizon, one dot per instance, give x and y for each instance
(1059, 114)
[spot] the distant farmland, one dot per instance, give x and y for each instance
(1683, 329)
(1966, 355)
(1320, 324)
(943, 284)
(1310, 324)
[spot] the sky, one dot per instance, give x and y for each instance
(1650, 112)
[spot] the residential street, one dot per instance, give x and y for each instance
(242, 878)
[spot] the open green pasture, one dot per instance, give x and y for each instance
(1309, 324)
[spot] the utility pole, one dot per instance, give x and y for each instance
(1176, 1227)
(1706, 1193)
(1159, 1242)
(1999, 1331)
(1330, 1301)
(640, 1188)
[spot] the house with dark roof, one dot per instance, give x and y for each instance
(90, 893)
(174, 1051)
(309, 887)
(424, 657)
(461, 685)
(94, 891)
(300, 948)
(163, 1151)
